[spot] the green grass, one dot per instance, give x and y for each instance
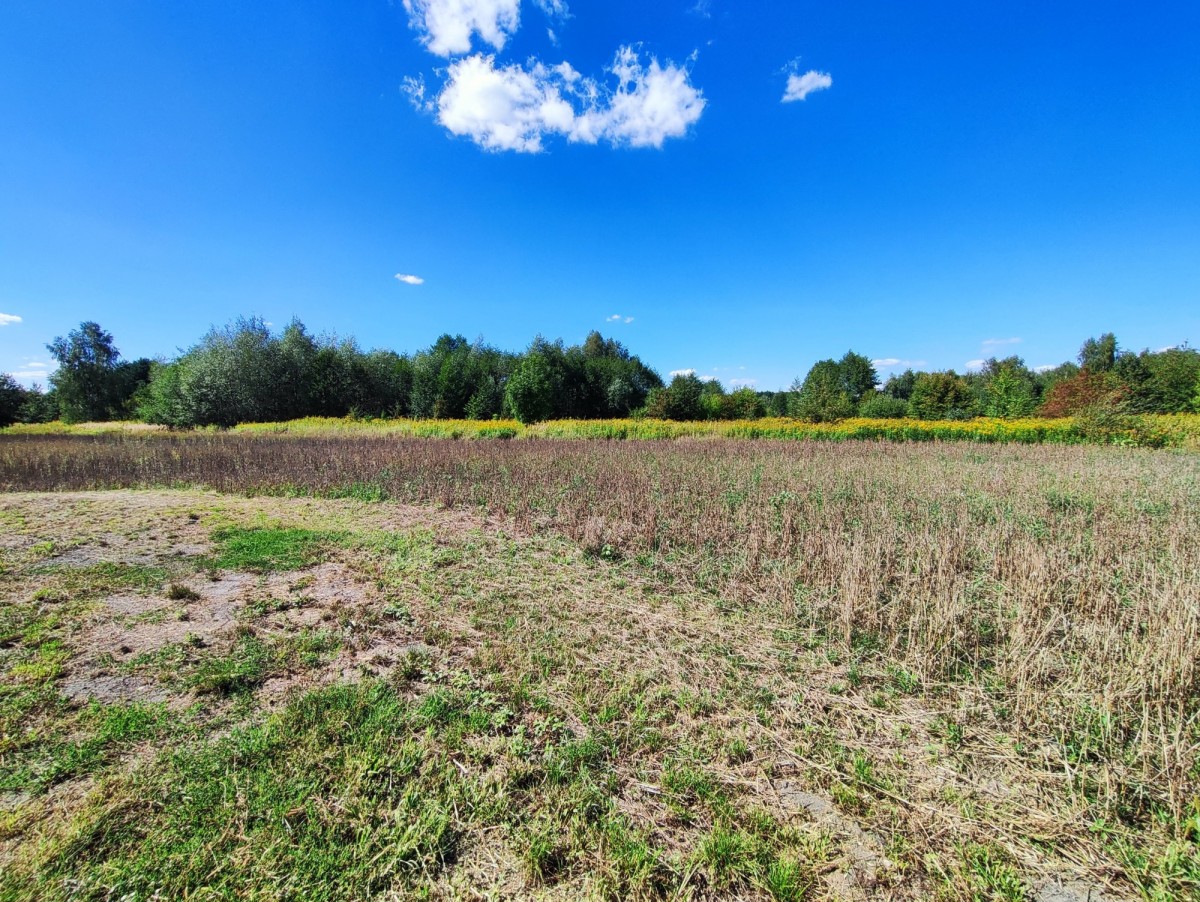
(266, 550)
(66, 583)
(253, 660)
(109, 729)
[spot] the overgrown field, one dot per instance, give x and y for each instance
(1165, 430)
(692, 669)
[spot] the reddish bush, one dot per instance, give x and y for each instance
(1083, 391)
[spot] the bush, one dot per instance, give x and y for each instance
(1087, 390)
(883, 407)
(942, 396)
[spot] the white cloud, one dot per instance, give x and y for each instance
(409, 280)
(743, 383)
(703, 9)
(996, 342)
(446, 26)
(800, 86)
(687, 372)
(651, 104)
(889, 363)
(1167, 348)
(506, 108)
(975, 364)
(515, 107)
(618, 318)
(8, 319)
(555, 9)
(1045, 368)
(31, 374)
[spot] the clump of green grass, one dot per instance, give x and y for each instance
(179, 592)
(107, 729)
(266, 550)
(253, 661)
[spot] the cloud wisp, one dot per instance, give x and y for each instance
(516, 107)
(889, 363)
(409, 279)
(9, 319)
(618, 318)
(800, 86)
(999, 342)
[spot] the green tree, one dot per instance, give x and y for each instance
(88, 382)
(1099, 355)
(823, 396)
(40, 406)
(900, 385)
(532, 389)
(858, 376)
(1172, 374)
(12, 400)
(1009, 388)
(941, 396)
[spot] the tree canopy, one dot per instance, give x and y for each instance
(245, 372)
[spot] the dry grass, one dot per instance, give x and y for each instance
(984, 657)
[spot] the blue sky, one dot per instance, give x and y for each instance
(948, 181)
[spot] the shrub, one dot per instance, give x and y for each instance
(942, 396)
(883, 407)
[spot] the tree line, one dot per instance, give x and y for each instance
(244, 372)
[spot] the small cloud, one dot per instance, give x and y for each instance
(29, 374)
(997, 342)
(687, 372)
(555, 9)
(409, 280)
(975, 365)
(414, 87)
(447, 26)
(892, 363)
(618, 318)
(36, 365)
(552, 36)
(800, 86)
(8, 319)
(1167, 348)
(703, 9)
(1045, 368)
(743, 383)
